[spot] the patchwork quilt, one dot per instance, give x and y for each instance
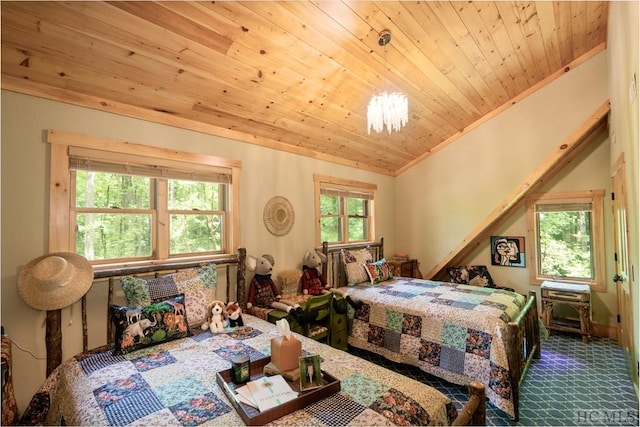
(174, 383)
(453, 331)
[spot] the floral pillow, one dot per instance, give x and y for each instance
(197, 284)
(354, 261)
(476, 275)
(140, 327)
(378, 271)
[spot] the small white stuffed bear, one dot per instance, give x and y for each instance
(216, 317)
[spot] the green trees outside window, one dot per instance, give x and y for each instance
(335, 224)
(566, 238)
(116, 215)
(113, 217)
(196, 216)
(565, 244)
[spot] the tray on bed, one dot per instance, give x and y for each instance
(251, 416)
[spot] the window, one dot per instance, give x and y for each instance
(566, 238)
(344, 209)
(134, 203)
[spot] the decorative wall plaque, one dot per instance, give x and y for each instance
(278, 216)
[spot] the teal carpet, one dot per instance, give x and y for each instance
(573, 384)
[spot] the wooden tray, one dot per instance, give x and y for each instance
(252, 417)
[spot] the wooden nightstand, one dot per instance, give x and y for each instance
(339, 334)
(405, 268)
(573, 295)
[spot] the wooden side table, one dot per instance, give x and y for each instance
(570, 294)
(405, 268)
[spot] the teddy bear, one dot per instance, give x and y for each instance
(216, 317)
(234, 314)
(263, 291)
(313, 283)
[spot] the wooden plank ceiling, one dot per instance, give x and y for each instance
(297, 75)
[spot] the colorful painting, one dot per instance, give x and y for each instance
(507, 251)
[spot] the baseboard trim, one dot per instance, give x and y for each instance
(604, 331)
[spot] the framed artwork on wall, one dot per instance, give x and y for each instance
(507, 251)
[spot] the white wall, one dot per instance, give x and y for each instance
(25, 170)
(442, 199)
(623, 51)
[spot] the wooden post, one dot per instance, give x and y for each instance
(241, 281)
(85, 331)
(53, 339)
(536, 328)
(110, 335)
(474, 412)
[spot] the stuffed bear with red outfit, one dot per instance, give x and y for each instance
(263, 291)
(313, 282)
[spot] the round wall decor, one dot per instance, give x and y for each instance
(278, 216)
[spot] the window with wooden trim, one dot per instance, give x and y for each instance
(132, 203)
(566, 238)
(344, 210)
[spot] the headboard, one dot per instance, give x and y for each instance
(233, 267)
(333, 268)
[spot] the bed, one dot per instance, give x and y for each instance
(453, 331)
(173, 381)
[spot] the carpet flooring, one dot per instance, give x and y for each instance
(573, 384)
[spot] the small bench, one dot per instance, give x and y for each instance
(574, 295)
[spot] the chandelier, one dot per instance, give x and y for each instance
(387, 109)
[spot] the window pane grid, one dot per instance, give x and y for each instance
(344, 210)
(113, 235)
(195, 233)
(566, 240)
(114, 215)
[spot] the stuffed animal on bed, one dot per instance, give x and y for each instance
(234, 314)
(263, 291)
(216, 317)
(312, 282)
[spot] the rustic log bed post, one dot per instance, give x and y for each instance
(474, 412)
(523, 338)
(53, 329)
(241, 291)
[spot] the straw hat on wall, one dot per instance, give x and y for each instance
(54, 281)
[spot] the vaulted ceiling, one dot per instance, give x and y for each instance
(297, 75)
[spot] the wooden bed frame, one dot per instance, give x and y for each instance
(523, 333)
(473, 411)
